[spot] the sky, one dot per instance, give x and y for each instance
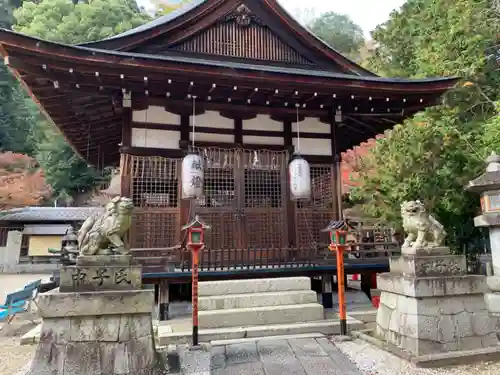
(366, 13)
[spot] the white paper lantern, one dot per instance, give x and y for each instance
(300, 178)
(192, 176)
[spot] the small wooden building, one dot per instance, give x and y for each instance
(42, 228)
(250, 81)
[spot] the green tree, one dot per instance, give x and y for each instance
(64, 21)
(71, 22)
(339, 31)
(64, 169)
(432, 156)
(17, 113)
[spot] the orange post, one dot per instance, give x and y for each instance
(195, 243)
(194, 294)
(341, 287)
(338, 243)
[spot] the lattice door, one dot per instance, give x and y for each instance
(219, 207)
(263, 199)
(312, 216)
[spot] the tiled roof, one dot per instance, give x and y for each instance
(64, 214)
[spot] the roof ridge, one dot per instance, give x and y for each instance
(184, 8)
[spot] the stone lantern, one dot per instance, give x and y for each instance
(488, 186)
(69, 247)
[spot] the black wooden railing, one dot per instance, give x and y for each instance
(179, 260)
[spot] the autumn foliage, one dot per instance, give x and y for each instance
(21, 182)
(352, 163)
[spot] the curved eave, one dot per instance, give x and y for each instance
(62, 54)
(195, 10)
(92, 122)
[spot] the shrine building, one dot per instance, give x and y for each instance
(245, 87)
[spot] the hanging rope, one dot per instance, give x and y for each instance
(194, 116)
(146, 128)
(88, 141)
(298, 127)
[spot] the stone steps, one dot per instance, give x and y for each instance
(260, 315)
(231, 287)
(325, 327)
(250, 300)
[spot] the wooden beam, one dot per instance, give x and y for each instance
(238, 131)
(67, 58)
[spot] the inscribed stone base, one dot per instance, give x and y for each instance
(82, 278)
(433, 314)
(96, 333)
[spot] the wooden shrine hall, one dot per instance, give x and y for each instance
(244, 86)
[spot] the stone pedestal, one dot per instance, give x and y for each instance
(488, 185)
(430, 305)
(98, 323)
(492, 298)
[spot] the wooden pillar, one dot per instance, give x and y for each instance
(163, 300)
(125, 177)
(327, 292)
(336, 173)
(184, 146)
(338, 192)
(366, 281)
(238, 131)
(290, 205)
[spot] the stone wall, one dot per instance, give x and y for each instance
(429, 304)
(435, 324)
(102, 344)
(9, 254)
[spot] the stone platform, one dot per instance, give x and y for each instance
(98, 322)
(430, 305)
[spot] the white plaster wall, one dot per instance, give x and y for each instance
(312, 125)
(314, 146)
(262, 122)
(154, 138)
(210, 137)
(258, 140)
(156, 115)
(212, 119)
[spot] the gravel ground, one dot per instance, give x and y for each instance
(374, 361)
(14, 356)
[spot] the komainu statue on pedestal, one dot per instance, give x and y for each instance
(104, 233)
(421, 228)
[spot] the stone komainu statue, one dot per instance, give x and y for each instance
(421, 228)
(104, 233)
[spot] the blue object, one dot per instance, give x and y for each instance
(15, 303)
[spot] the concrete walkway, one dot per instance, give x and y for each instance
(295, 356)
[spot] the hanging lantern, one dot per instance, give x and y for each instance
(192, 176)
(300, 178)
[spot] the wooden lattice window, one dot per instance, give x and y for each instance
(155, 191)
